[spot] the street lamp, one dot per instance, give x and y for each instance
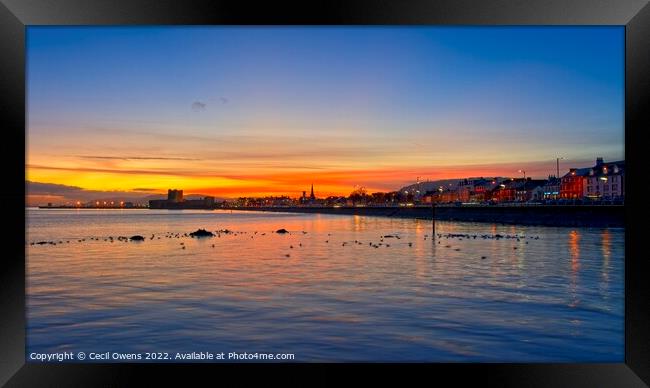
(524, 172)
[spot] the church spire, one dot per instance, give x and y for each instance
(312, 196)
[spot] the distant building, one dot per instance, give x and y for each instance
(175, 195)
(605, 180)
(308, 200)
(335, 201)
(529, 190)
(444, 195)
(475, 189)
(505, 191)
(175, 200)
(518, 190)
(551, 189)
(537, 194)
(602, 181)
(573, 183)
(158, 204)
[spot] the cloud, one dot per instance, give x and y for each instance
(223, 100)
(133, 157)
(198, 106)
(170, 172)
(50, 188)
(40, 188)
(39, 193)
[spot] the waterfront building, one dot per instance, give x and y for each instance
(463, 189)
(444, 195)
(605, 180)
(505, 191)
(517, 190)
(602, 181)
(527, 190)
(537, 194)
(551, 189)
(335, 201)
(573, 183)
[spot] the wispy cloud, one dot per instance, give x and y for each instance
(133, 157)
(198, 106)
(39, 193)
(121, 171)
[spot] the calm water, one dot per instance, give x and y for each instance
(556, 298)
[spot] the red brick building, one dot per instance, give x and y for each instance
(572, 184)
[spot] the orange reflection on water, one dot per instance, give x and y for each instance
(574, 252)
(606, 245)
(254, 284)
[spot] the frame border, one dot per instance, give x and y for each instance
(15, 15)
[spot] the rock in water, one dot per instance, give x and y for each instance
(282, 231)
(137, 237)
(202, 233)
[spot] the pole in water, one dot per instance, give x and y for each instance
(433, 220)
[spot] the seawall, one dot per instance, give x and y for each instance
(585, 215)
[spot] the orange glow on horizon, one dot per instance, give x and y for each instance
(262, 182)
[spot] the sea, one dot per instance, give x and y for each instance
(334, 288)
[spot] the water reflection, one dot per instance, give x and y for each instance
(606, 242)
(460, 300)
(574, 253)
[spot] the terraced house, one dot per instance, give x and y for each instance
(605, 180)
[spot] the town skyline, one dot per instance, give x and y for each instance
(447, 190)
(265, 111)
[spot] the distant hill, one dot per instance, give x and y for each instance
(39, 193)
(430, 185)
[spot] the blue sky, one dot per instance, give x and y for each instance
(265, 102)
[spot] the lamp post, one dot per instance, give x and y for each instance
(524, 172)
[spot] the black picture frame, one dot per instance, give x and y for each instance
(15, 15)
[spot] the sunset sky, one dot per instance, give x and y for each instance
(241, 111)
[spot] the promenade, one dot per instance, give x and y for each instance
(547, 215)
